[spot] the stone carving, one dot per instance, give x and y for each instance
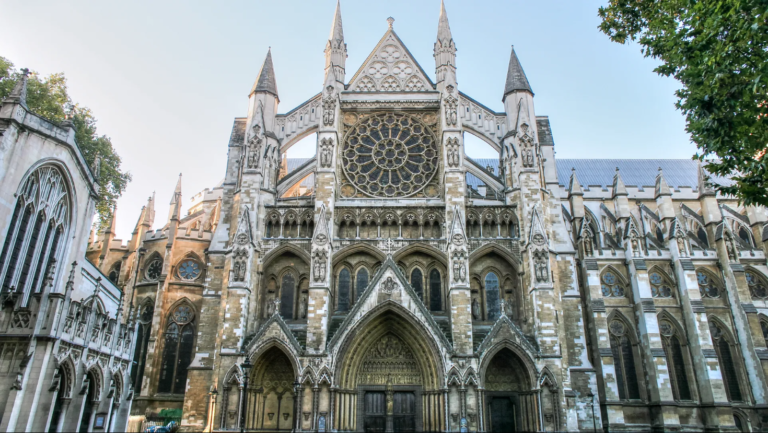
(458, 239)
(389, 361)
(681, 247)
(326, 152)
(526, 145)
(538, 239)
(240, 259)
(319, 264)
(453, 149)
(635, 243)
(329, 106)
(450, 103)
(389, 285)
(254, 146)
(303, 307)
(475, 309)
(730, 246)
(459, 268)
(541, 266)
(588, 248)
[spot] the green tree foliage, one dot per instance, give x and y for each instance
(718, 50)
(48, 97)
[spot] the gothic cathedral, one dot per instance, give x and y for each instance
(390, 282)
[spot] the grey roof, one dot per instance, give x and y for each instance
(516, 79)
(472, 181)
(639, 173)
(294, 163)
(265, 82)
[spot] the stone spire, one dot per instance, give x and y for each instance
(265, 82)
(19, 92)
(662, 188)
(516, 79)
(336, 49)
(705, 189)
(574, 187)
(175, 212)
(445, 49)
(106, 238)
(618, 184)
(620, 196)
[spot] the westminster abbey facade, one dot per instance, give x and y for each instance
(388, 283)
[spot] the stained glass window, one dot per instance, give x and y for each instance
(435, 291)
(417, 282)
(154, 269)
(343, 289)
(492, 296)
(660, 288)
(287, 289)
(178, 350)
(757, 285)
(361, 282)
(727, 363)
(624, 362)
(675, 360)
(707, 286)
(611, 286)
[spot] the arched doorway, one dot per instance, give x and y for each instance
(271, 393)
(389, 378)
(510, 402)
(90, 402)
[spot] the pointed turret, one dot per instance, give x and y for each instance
(175, 212)
(576, 195)
(445, 50)
(516, 79)
(662, 188)
(19, 93)
(620, 196)
(336, 49)
(574, 187)
(663, 196)
(265, 81)
(106, 239)
(618, 184)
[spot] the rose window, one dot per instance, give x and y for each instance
(189, 270)
(390, 155)
(154, 269)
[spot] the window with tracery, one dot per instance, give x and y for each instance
(361, 282)
(389, 155)
(177, 351)
(492, 296)
(727, 362)
(287, 293)
(114, 272)
(660, 287)
(154, 269)
(190, 270)
(757, 285)
(675, 359)
(417, 282)
(764, 328)
(38, 224)
(435, 291)
(343, 289)
(142, 342)
(708, 287)
(623, 361)
(611, 286)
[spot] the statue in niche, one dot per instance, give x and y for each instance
(635, 245)
(450, 104)
(459, 270)
(730, 247)
(326, 152)
(329, 106)
(540, 266)
(588, 248)
(509, 309)
(319, 265)
(681, 247)
(270, 307)
(453, 152)
(303, 307)
(475, 309)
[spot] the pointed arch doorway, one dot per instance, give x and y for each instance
(388, 378)
(511, 403)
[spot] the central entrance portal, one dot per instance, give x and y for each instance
(379, 413)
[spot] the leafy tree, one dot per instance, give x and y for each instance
(48, 97)
(718, 50)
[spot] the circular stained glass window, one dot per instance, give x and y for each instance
(189, 270)
(390, 155)
(154, 269)
(182, 314)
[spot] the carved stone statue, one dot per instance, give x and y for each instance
(541, 266)
(475, 309)
(303, 307)
(635, 245)
(588, 249)
(329, 106)
(681, 247)
(319, 265)
(270, 308)
(326, 152)
(730, 247)
(450, 103)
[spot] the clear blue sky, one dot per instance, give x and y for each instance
(166, 79)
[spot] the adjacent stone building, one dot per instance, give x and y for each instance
(391, 283)
(65, 348)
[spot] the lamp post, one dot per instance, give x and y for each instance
(245, 367)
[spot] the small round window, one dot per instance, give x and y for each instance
(154, 269)
(189, 270)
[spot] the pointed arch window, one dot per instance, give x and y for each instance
(727, 362)
(675, 359)
(154, 269)
(757, 285)
(114, 272)
(611, 285)
(361, 282)
(435, 290)
(178, 350)
(417, 282)
(142, 342)
(31, 247)
(708, 287)
(492, 296)
(764, 328)
(660, 286)
(287, 293)
(624, 361)
(343, 288)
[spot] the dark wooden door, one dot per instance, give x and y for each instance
(375, 415)
(404, 412)
(502, 415)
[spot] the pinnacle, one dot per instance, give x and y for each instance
(574, 187)
(618, 184)
(265, 81)
(662, 188)
(443, 28)
(516, 79)
(19, 92)
(337, 31)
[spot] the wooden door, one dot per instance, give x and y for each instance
(404, 412)
(502, 414)
(375, 412)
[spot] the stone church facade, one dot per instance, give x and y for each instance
(390, 282)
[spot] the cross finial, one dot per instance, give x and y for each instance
(391, 21)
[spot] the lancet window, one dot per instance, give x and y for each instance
(417, 282)
(287, 294)
(36, 231)
(178, 350)
(492, 296)
(142, 343)
(435, 291)
(624, 360)
(361, 282)
(114, 272)
(724, 350)
(343, 286)
(676, 359)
